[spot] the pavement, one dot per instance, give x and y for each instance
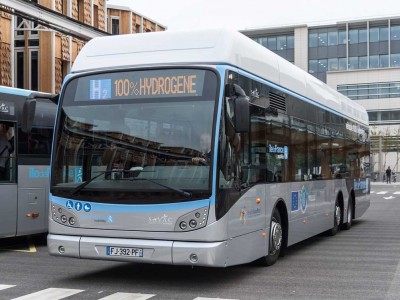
(381, 183)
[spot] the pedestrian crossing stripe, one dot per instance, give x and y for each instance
(127, 296)
(396, 193)
(61, 293)
(201, 298)
(50, 294)
(381, 193)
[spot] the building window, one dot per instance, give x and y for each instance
(281, 42)
(384, 61)
(312, 66)
(362, 35)
(33, 70)
(313, 39)
(20, 24)
(374, 61)
(363, 62)
(374, 34)
(370, 90)
(395, 33)
(353, 36)
(383, 33)
(322, 65)
(322, 39)
(342, 37)
(19, 69)
(114, 25)
(332, 38)
(353, 63)
(342, 64)
(272, 43)
(395, 60)
(333, 64)
(290, 42)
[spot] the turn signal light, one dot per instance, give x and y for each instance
(33, 215)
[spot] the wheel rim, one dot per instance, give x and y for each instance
(276, 235)
(337, 214)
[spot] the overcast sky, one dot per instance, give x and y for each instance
(179, 14)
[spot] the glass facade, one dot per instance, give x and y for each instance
(281, 44)
(353, 47)
(370, 90)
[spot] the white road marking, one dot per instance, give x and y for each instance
(50, 294)
(5, 286)
(127, 296)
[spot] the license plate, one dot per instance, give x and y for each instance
(124, 251)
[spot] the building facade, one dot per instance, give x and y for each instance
(360, 59)
(36, 58)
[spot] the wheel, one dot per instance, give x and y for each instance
(275, 240)
(337, 219)
(347, 225)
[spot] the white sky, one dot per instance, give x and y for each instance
(238, 14)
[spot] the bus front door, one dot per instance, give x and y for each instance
(8, 184)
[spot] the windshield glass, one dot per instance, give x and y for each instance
(136, 137)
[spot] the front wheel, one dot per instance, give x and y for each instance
(275, 240)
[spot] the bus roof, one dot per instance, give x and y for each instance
(210, 46)
(22, 92)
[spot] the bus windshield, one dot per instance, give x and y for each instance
(136, 137)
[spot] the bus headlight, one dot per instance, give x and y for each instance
(194, 220)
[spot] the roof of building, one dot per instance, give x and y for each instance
(210, 46)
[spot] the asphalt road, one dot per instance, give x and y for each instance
(362, 263)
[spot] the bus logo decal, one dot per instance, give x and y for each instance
(304, 199)
(164, 220)
(4, 109)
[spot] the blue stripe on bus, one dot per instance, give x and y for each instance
(110, 207)
(14, 91)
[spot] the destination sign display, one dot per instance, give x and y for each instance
(146, 84)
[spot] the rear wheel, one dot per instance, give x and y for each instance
(347, 225)
(275, 240)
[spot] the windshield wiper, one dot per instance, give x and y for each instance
(135, 169)
(182, 192)
(83, 184)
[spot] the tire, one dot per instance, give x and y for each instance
(275, 240)
(337, 219)
(347, 225)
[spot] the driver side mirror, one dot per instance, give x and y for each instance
(241, 116)
(28, 114)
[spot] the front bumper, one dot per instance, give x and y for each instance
(212, 254)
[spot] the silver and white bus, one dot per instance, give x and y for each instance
(26, 129)
(286, 156)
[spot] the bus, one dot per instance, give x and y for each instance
(26, 129)
(130, 180)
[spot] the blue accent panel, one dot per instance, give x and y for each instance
(295, 201)
(15, 91)
(88, 206)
